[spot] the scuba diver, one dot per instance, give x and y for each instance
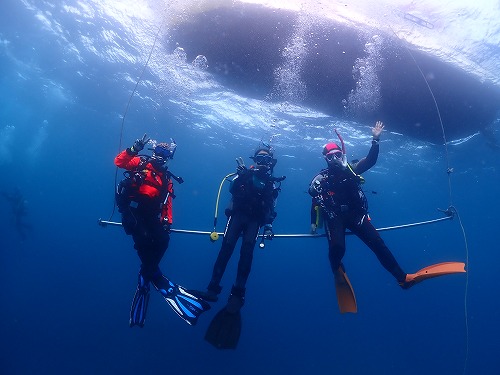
(254, 192)
(18, 206)
(144, 198)
(340, 203)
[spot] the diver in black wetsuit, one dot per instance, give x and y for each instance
(18, 206)
(337, 194)
(254, 194)
(340, 201)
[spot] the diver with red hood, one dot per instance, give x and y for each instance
(340, 203)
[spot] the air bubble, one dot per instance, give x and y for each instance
(200, 62)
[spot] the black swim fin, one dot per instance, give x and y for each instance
(224, 330)
(140, 303)
(186, 305)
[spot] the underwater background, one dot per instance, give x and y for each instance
(71, 71)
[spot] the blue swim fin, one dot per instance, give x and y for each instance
(140, 303)
(185, 304)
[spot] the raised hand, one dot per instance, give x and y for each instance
(377, 130)
(140, 143)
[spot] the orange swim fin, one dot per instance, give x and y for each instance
(345, 294)
(434, 270)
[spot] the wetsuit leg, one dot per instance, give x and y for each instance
(250, 232)
(335, 233)
(369, 235)
(231, 235)
(151, 242)
(129, 220)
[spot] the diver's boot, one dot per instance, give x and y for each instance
(210, 295)
(407, 283)
(236, 300)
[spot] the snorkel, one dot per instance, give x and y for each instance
(344, 156)
(172, 147)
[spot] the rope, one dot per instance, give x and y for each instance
(449, 171)
(127, 107)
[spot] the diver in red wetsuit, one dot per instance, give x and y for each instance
(144, 198)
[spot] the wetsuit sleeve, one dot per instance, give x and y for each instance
(314, 192)
(369, 161)
(271, 214)
(239, 183)
(314, 211)
(127, 160)
(315, 185)
(166, 212)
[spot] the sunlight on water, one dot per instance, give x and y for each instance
(127, 32)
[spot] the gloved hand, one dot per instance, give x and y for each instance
(228, 212)
(166, 225)
(268, 232)
(313, 228)
(139, 144)
(241, 170)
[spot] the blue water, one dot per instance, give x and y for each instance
(67, 287)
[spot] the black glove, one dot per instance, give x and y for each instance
(241, 170)
(139, 144)
(268, 232)
(166, 225)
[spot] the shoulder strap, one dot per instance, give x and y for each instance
(358, 176)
